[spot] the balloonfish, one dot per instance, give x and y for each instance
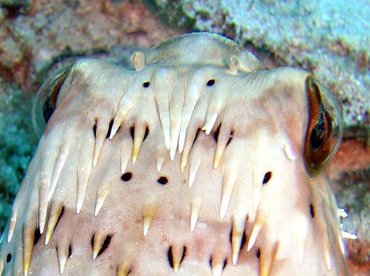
(191, 160)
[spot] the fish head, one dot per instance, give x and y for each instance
(179, 163)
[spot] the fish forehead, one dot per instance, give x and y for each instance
(187, 168)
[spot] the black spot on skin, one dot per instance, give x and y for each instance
(37, 236)
(267, 177)
(258, 253)
(312, 211)
(126, 176)
(8, 258)
(211, 82)
(109, 129)
(146, 84)
(162, 180)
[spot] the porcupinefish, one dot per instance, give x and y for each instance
(193, 160)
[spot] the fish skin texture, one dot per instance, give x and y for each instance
(193, 160)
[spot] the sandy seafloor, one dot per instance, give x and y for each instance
(329, 38)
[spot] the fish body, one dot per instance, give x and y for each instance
(184, 163)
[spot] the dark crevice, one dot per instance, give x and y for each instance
(230, 138)
(170, 258)
(132, 132)
(225, 264)
(8, 258)
(13, 9)
(109, 129)
(105, 244)
(196, 135)
(92, 241)
(312, 211)
(94, 130)
(258, 253)
(146, 133)
(184, 251)
(36, 236)
(12, 12)
(217, 133)
(69, 251)
(128, 272)
(244, 240)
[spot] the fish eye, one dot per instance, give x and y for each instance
(46, 98)
(324, 130)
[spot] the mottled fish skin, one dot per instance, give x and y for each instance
(182, 164)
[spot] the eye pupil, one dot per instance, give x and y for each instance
(318, 133)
